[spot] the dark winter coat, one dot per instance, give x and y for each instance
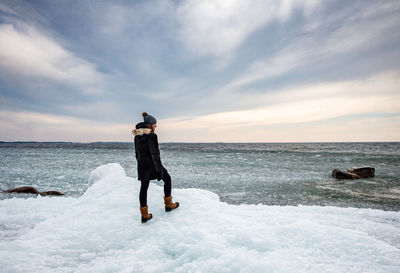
(147, 153)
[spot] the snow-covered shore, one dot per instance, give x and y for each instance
(101, 232)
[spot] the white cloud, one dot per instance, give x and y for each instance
(305, 113)
(219, 27)
(28, 52)
(278, 65)
(361, 31)
(32, 126)
(378, 94)
(366, 28)
(364, 129)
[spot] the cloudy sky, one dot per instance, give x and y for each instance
(232, 71)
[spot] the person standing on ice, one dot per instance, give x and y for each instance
(149, 164)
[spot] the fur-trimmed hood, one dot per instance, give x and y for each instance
(141, 131)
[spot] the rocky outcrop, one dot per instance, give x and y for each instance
(28, 189)
(344, 175)
(24, 190)
(363, 172)
(44, 193)
(354, 173)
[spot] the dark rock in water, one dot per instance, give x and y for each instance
(354, 173)
(363, 172)
(344, 175)
(28, 189)
(44, 193)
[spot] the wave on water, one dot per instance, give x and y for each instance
(101, 232)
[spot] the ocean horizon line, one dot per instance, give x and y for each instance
(189, 142)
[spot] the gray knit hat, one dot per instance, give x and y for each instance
(148, 119)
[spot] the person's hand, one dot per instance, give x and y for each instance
(159, 175)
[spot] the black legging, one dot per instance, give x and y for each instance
(145, 185)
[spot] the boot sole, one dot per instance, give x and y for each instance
(169, 209)
(144, 220)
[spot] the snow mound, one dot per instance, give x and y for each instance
(101, 232)
(112, 169)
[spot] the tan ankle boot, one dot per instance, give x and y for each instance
(145, 215)
(169, 205)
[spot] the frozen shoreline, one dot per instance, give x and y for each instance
(101, 231)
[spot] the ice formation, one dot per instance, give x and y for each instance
(101, 232)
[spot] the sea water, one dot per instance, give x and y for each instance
(244, 208)
(239, 173)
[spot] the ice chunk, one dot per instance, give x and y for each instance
(18, 215)
(101, 232)
(113, 169)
